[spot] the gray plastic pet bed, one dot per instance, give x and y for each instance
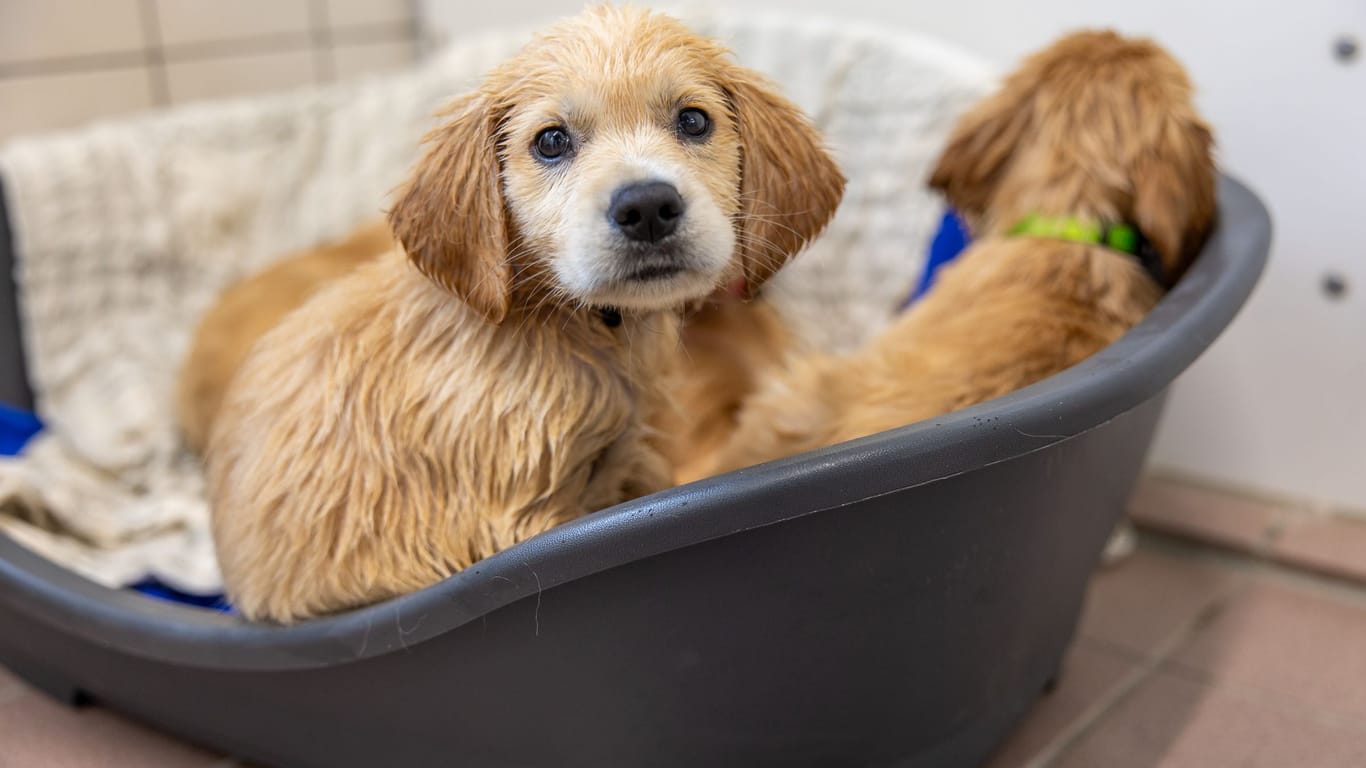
(899, 600)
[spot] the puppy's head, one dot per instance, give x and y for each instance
(1095, 125)
(619, 160)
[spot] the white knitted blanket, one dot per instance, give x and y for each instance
(126, 231)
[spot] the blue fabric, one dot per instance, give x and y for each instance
(16, 428)
(951, 239)
(154, 588)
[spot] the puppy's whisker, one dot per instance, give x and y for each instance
(770, 221)
(765, 249)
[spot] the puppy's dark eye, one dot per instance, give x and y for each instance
(552, 144)
(694, 123)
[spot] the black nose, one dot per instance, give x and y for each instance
(647, 211)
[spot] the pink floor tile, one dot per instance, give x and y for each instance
(1090, 672)
(1332, 545)
(36, 732)
(10, 686)
(1144, 600)
(1289, 641)
(1172, 507)
(1173, 722)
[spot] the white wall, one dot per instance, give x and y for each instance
(1279, 404)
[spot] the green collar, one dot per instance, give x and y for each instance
(1124, 238)
(1120, 237)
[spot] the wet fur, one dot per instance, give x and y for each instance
(406, 422)
(1096, 126)
(727, 346)
(250, 308)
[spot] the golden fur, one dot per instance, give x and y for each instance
(1097, 127)
(404, 423)
(727, 346)
(250, 308)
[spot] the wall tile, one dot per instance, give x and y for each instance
(342, 13)
(50, 102)
(228, 77)
(49, 29)
(1332, 545)
(1243, 524)
(185, 22)
(350, 61)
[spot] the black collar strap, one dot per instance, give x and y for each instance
(611, 316)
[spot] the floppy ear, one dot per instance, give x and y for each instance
(1174, 197)
(980, 148)
(449, 215)
(789, 184)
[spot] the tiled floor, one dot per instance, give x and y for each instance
(1188, 656)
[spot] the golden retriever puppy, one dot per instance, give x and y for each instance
(497, 375)
(727, 345)
(1091, 149)
(253, 306)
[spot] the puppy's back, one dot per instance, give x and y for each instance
(248, 310)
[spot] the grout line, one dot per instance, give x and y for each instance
(1175, 476)
(62, 65)
(324, 56)
(19, 691)
(1286, 703)
(1281, 521)
(161, 53)
(154, 54)
(1163, 659)
(372, 33)
(1345, 588)
(216, 49)
(1340, 588)
(1082, 723)
(1113, 648)
(1261, 543)
(15, 689)
(1152, 663)
(281, 42)
(1249, 568)
(416, 28)
(1200, 551)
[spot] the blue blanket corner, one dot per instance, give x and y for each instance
(16, 428)
(948, 242)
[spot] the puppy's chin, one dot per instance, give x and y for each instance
(610, 272)
(665, 289)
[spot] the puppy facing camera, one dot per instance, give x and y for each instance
(506, 368)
